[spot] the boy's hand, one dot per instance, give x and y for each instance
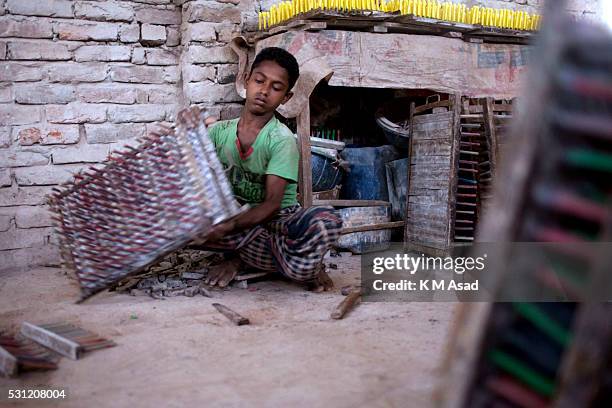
(221, 230)
(210, 120)
(193, 116)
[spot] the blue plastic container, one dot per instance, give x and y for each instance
(367, 178)
(324, 175)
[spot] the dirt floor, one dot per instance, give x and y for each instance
(182, 352)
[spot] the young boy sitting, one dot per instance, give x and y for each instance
(261, 159)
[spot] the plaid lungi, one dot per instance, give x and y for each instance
(292, 243)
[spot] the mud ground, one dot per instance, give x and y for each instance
(182, 352)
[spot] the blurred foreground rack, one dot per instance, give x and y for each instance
(554, 186)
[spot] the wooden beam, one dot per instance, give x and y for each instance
(351, 300)
(51, 340)
(373, 227)
(352, 203)
(305, 169)
(462, 72)
(490, 134)
(408, 177)
(233, 316)
(328, 144)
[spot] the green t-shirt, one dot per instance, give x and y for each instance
(273, 152)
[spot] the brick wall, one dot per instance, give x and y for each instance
(79, 79)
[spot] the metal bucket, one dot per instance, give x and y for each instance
(369, 241)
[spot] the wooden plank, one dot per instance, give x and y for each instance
(316, 26)
(429, 196)
(425, 128)
(432, 118)
(305, 169)
(427, 238)
(352, 203)
(442, 134)
(503, 107)
(431, 183)
(441, 161)
(372, 227)
(469, 116)
(435, 211)
(379, 28)
(428, 210)
(434, 169)
(426, 235)
(436, 214)
(413, 62)
(421, 165)
(434, 217)
(422, 149)
(51, 340)
(435, 228)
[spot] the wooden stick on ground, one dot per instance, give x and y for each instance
(237, 319)
(352, 299)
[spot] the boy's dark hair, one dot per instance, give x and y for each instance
(282, 58)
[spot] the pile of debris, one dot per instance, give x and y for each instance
(181, 273)
(178, 274)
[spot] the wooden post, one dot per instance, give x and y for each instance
(490, 134)
(305, 170)
(407, 217)
(454, 181)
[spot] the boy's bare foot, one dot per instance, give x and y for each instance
(322, 282)
(223, 273)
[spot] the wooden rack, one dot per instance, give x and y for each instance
(454, 159)
(379, 22)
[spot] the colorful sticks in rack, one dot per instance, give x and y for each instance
(143, 204)
(20, 354)
(65, 338)
(444, 11)
(40, 346)
(528, 353)
(326, 133)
